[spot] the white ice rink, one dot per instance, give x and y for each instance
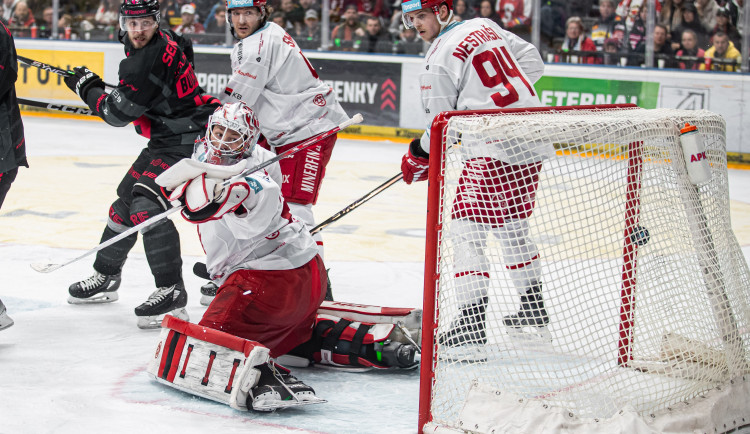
(81, 369)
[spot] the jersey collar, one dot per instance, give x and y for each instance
(450, 27)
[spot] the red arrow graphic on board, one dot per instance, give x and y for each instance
(388, 95)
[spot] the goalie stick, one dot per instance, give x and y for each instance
(50, 267)
(50, 68)
(59, 107)
(199, 268)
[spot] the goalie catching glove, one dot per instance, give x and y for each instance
(207, 199)
(82, 81)
(415, 163)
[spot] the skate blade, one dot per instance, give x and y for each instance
(275, 404)
(464, 354)
(154, 321)
(5, 321)
(530, 334)
(206, 299)
(102, 297)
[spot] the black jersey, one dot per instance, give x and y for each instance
(158, 91)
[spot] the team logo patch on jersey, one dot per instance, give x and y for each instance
(319, 100)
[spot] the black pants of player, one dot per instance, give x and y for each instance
(140, 198)
(6, 179)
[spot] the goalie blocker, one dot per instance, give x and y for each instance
(224, 368)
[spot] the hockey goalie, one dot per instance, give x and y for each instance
(271, 285)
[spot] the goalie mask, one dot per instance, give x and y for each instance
(232, 133)
(415, 5)
(139, 15)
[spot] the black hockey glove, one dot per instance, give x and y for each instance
(82, 81)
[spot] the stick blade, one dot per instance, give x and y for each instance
(45, 268)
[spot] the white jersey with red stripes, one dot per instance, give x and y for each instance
(265, 237)
(273, 77)
(474, 65)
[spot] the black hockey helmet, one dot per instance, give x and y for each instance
(140, 8)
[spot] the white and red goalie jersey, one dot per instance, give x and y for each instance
(264, 237)
(272, 76)
(475, 65)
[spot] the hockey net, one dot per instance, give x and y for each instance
(645, 285)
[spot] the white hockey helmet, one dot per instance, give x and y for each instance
(232, 132)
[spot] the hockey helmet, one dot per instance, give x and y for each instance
(138, 9)
(233, 130)
(233, 4)
(415, 5)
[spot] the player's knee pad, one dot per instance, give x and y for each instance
(352, 335)
(119, 216)
(207, 362)
(142, 209)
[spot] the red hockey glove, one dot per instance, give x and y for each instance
(415, 163)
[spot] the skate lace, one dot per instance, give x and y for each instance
(93, 281)
(159, 295)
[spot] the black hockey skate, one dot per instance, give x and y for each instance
(208, 292)
(166, 299)
(532, 314)
(277, 389)
(5, 320)
(468, 328)
(99, 288)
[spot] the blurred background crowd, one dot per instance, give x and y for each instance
(683, 34)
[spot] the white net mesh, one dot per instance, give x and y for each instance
(644, 286)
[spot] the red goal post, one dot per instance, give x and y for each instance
(613, 191)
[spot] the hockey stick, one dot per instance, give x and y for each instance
(199, 268)
(48, 268)
(357, 203)
(50, 68)
(59, 107)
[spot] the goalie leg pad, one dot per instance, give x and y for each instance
(207, 362)
(403, 317)
(344, 343)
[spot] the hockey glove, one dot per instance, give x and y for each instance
(205, 199)
(415, 163)
(82, 81)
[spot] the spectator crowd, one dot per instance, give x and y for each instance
(688, 34)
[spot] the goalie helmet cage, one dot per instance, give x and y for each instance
(644, 282)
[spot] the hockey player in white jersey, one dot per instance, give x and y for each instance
(474, 65)
(271, 279)
(272, 76)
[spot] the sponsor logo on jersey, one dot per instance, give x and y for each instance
(425, 87)
(319, 100)
(254, 184)
(310, 171)
(473, 40)
(245, 74)
(411, 5)
(232, 93)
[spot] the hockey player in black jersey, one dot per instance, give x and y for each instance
(158, 92)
